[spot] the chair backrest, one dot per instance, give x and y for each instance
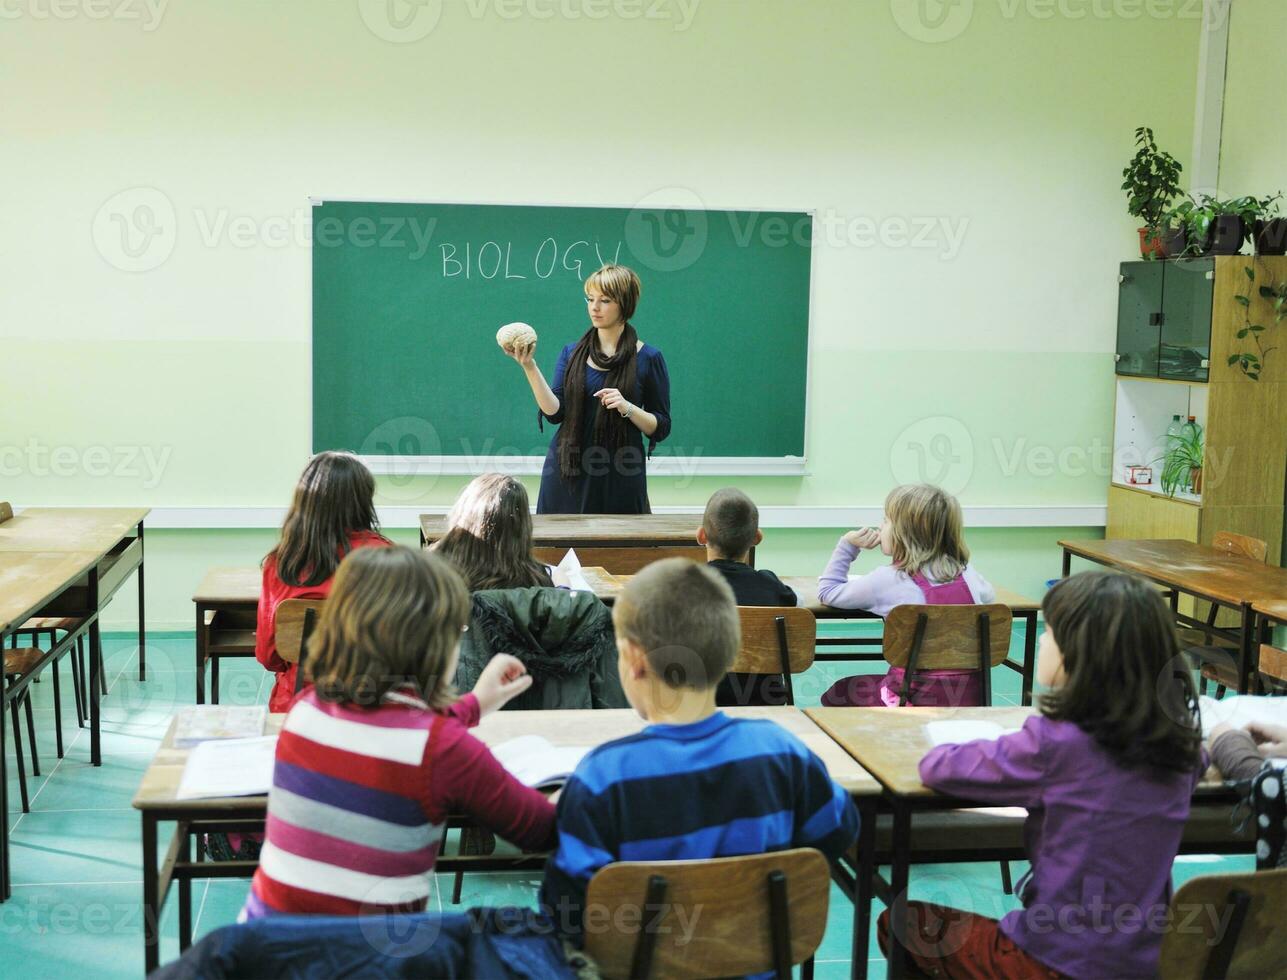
(295, 619)
(6, 511)
(1273, 664)
(776, 640)
(1242, 545)
(1226, 926)
(719, 917)
(621, 561)
(925, 637)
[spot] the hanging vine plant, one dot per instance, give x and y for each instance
(1251, 361)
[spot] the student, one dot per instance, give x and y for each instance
(331, 514)
(1106, 771)
(489, 536)
(374, 757)
(695, 783)
(930, 565)
(1240, 753)
(730, 529)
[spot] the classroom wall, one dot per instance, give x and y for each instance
(1253, 157)
(965, 176)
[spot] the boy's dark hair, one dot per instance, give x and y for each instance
(730, 522)
(335, 496)
(1127, 685)
(684, 616)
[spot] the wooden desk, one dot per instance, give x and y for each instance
(1271, 610)
(622, 543)
(35, 583)
(890, 743)
(227, 603)
(113, 534)
(156, 800)
(1215, 576)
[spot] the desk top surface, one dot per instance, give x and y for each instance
(595, 529)
(80, 529)
(30, 579)
(1189, 567)
(161, 780)
(1275, 609)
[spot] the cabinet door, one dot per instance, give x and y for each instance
(1186, 320)
(1139, 314)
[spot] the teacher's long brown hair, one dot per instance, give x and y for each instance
(610, 430)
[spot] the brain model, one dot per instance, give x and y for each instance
(515, 335)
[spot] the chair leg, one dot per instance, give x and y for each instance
(102, 674)
(31, 730)
(58, 711)
(1007, 885)
(1219, 691)
(77, 687)
(17, 751)
(456, 887)
(1202, 685)
(84, 674)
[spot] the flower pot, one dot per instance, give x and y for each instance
(1173, 241)
(1151, 243)
(1195, 480)
(1271, 236)
(1228, 232)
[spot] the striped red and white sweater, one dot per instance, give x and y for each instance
(359, 799)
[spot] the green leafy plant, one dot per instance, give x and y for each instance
(1197, 214)
(1151, 180)
(1183, 455)
(1251, 361)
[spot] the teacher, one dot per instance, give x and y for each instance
(610, 390)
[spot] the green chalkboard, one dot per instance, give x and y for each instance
(407, 299)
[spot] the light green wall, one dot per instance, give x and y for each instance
(1253, 158)
(1012, 134)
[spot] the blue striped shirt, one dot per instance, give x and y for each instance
(717, 788)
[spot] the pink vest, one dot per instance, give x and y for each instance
(937, 688)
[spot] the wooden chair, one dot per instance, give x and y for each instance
(18, 662)
(1249, 940)
(743, 915)
(295, 621)
(776, 640)
(923, 637)
(1217, 659)
(35, 629)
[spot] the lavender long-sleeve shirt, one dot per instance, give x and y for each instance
(1101, 838)
(881, 590)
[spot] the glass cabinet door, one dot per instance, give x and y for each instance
(1139, 316)
(1186, 320)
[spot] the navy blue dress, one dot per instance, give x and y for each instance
(607, 485)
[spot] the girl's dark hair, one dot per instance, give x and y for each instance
(335, 496)
(610, 430)
(489, 536)
(1127, 685)
(394, 618)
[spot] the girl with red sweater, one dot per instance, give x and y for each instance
(332, 513)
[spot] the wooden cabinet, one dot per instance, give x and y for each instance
(1172, 316)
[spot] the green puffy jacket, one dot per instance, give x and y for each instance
(565, 639)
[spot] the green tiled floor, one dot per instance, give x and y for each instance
(76, 905)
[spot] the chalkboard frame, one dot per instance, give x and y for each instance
(661, 465)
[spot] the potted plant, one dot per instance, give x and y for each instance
(1211, 226)
(1270, 231)
(1182, 460)
(1151, 182)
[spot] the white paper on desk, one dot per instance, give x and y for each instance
(229, 767)
(570, 566)
(1239, 710)
(535, 761)
(956, 732)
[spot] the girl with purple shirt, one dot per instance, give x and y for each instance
(922, 533)
(1106, 771)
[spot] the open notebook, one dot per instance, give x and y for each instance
(201, 722)
(956, 732)
(229, 767)
(537, 762)
(570, 566)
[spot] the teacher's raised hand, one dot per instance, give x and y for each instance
(525, 354)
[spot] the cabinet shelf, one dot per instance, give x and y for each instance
(1155, 490)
